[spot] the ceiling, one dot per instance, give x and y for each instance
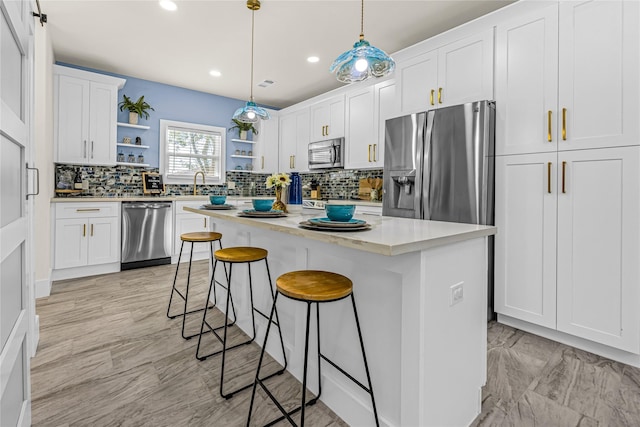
(140, 39)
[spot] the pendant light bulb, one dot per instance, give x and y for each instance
(251, 113)
(363, 61)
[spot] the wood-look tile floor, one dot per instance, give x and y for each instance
(108, 356)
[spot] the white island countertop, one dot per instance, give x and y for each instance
(388, 235)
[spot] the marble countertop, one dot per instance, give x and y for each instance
(388, 235)
(204, 198)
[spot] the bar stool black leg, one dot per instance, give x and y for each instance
(186, 296)
(173, 288)
(364, 358)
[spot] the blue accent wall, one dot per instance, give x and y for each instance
(172, 103)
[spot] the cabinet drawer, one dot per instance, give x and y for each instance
(190, 204)
(87, 210)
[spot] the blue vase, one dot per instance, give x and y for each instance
(295, 189)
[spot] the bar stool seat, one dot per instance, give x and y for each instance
(312, 287)
(315, 286)
(193, 238)
(237, 255)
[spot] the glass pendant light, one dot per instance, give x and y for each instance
(251, 113)
(363, 61)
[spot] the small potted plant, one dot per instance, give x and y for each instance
(243, 128)
(136, 109)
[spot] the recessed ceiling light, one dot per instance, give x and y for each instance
(215, 73)
(168, 5)
(313, 59)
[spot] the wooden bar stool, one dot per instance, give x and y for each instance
(312, 286)
(231, 256)
(193, 238)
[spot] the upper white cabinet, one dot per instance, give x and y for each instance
(366, 111)
(527, 83)
(327, 119)
(456, 73)
(294, 141)
(599, 97)
(85, 116)
(561, 85)
(266, 148)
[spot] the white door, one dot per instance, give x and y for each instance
(103, 241)
(598, 246)
(102, 123)
(418, 80)
(189, 223)
(301, 157)
(70, 243)
(385, 109)
(361, 129)
(599, 95)
(266, 147)
(525, 246)
(72, 120)
(16, 277)
(465, 70)
(287, 144)
(527, 83)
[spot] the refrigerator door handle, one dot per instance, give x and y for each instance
(423, 186)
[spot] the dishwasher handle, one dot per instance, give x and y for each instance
(147, 206)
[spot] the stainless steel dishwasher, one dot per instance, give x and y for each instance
(146, 234)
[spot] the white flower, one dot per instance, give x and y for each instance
(278, 180)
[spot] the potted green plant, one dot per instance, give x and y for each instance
(243, 128)
(136, 109)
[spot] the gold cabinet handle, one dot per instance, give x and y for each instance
(290, 162)
(92, 149)
(327, 131)
(88, 210)
(84, 230)
(205, 223)
(91, 230)
(564, 167)
(375, 159)
(85, 149)
(564, 125)
(369, 152)
(262, 162)
(294, 161)
(549, 137)
(431, 97)
(549, 177)
(439, 95)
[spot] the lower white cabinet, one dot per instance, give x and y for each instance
(568, 242)
(188, 222)
(86, 234)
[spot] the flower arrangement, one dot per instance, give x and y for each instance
(278, 181)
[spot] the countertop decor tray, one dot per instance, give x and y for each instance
(310, 226)
(251, 213)
(326, 222)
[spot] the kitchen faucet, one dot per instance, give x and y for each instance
(194, 180)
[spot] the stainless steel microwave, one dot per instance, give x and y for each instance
(326, 154)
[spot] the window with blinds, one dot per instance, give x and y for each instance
(188, 148)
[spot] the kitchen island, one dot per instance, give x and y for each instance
(426, 350)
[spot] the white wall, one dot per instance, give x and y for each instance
(43, 120)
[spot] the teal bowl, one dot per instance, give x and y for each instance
(218, 200)
(341, 213)
(262, 205)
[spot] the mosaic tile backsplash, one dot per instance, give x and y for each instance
(123, 181)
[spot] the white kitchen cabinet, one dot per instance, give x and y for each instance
(366, 111)
(598, 78)
(527, 83)
(266, 148)
(86, 234)
(455, 73)
(85, 116)
(189, 222)
(294, 141)
(599, 246)
(584, 280)
(327, 119)
(525, 246)
(561, 85)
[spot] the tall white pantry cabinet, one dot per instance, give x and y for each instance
(568, 171)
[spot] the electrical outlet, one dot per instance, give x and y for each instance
(231, 185)
(457, 293)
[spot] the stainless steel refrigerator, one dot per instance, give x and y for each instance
(439, 165)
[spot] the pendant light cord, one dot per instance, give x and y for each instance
(253, 12)
(362, 21)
